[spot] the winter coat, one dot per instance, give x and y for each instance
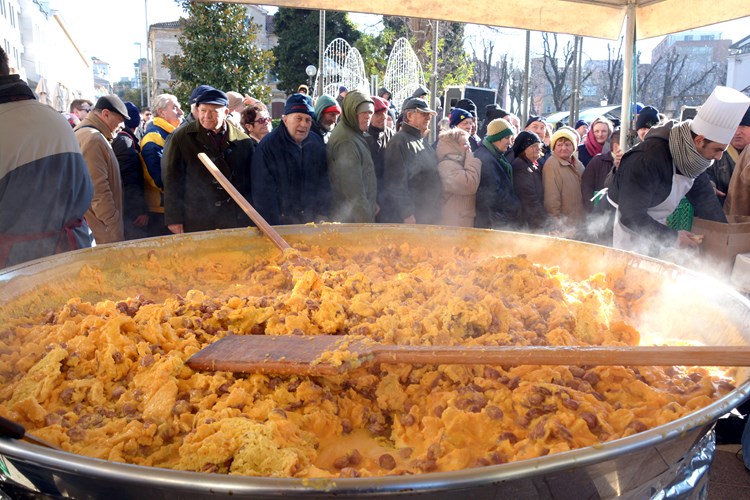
(378, 140)
(411, 177)
(351, 171)
(125, 146)
(720, 172)
(529, 188)
(290, 180)
(45, 187)
(594, 178)
(562, 190)
(152, 149)
(459, 173)
(738, 193)
(192, 197)
(498, 207)
(105, 217)
(644, 180)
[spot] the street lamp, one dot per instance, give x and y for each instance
(138, 66)
(311, 72)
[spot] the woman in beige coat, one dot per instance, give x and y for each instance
(561, 177)
(459, 173)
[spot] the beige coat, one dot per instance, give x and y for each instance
(738, 194)
(459, 173)
(562, 189)
(104, 216)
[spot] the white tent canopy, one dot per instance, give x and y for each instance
(593, 18)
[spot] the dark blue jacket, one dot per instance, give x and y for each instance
(498, 207)
(290, 181)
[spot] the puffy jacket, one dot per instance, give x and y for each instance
(459, 173)
(289, 180)
(152, 150)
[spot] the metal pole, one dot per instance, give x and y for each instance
(138, 74)
(526, 74)
(148, 69)
(627, 63)
(436, 39)
(573, 115)
(321, 50)
(580, 77)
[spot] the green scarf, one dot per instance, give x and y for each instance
(499, 157)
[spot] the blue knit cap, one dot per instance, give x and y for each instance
(299, 103)
(458, 115)
(134, 116)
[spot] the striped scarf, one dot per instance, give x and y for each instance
(686, 158)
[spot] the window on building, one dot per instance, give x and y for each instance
(12, 16)
(707, 37)
(688, 38)
(2, 7)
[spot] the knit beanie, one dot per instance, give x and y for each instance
(299, 103)
(567, 133)
(523, 141)
(498, 129)
(493, 111)
(134, 116)
(457, 116)
(326, 104)
(534, 118)
(647, 118)
(745, 122)
(468, 105)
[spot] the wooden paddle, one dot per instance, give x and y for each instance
(317, 354)
(245, 205)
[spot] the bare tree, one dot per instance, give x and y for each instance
(482, 67)
(612, 87)
(556, 68)
(515, 90)
(680, 79)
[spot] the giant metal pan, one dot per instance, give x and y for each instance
(639, 466)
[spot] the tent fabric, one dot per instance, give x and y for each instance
(592, 18)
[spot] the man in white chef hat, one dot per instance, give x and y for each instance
(671, 164)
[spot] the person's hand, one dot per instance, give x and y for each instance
(719, 193)
(176, 228)
(141, 220)
(250, 101)
(377, 209)
(410, 220)
(686, 239)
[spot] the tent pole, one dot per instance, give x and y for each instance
(627, 78)
(526, 74)
(436, 118)
(321, 50)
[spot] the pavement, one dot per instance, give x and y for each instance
(727, 478)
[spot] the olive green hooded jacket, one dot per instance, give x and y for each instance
(350, 167)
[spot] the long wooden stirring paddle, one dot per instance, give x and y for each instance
(326, 355)
(245, 205)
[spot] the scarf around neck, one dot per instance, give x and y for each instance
(686, 158)
(593, 147)
(499, 156)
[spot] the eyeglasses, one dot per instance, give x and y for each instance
(262, 120)
(87, 110)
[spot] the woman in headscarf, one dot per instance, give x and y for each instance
(596, 140)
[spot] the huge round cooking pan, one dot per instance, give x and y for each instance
(654, 462)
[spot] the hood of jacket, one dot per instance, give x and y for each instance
(451, 142)
(661, 131)
(349, 114)
(322, 103)
(12, 88)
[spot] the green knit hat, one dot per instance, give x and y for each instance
(498, 129)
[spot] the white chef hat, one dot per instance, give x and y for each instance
(717, 120)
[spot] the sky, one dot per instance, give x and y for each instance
(122, 51)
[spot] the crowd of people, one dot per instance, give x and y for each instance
(354, 158)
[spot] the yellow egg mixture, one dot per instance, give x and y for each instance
(108, 379)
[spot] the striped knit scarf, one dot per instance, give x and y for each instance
(686, 158)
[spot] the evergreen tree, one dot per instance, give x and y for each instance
(217, 43)
(297, 30)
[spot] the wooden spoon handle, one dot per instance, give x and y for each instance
(567, 355)
(243, 203)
